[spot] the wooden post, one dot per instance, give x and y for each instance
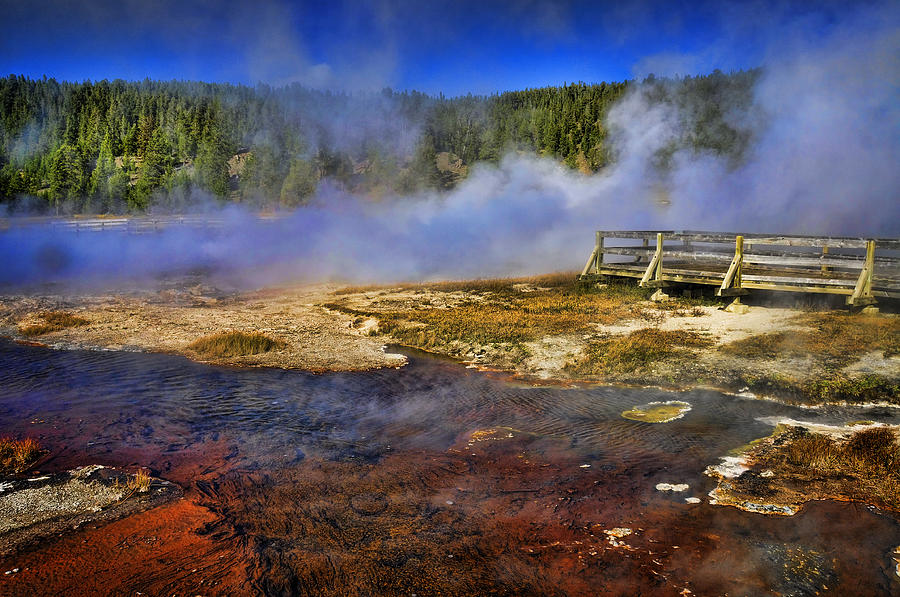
(654, 270)
(825, 268)
(732, 278)
(731, 285)
(645, 242)
(598, 246)
(862, 294)
(659, 249)
(590, 263)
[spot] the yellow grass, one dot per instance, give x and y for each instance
(231, 344)
(640, 348)
(53, 321)
(139, 482)
(506, 311)
(495, 285)
(838, 336)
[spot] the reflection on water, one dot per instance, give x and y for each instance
(372, 483)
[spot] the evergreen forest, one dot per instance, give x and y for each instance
(125, 147)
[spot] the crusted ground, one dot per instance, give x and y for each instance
(543, 328)
(546, 328)
(171, 320)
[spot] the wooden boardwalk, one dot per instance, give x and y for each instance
(128, 224)
(860, 268)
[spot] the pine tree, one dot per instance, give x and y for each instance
(212, 161)
(66, 174)
(105, 167)
(299, 184)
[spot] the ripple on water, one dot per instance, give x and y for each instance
(368, 455)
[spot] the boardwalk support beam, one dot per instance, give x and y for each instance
(731, 284)
(862, 293)
(654, 271)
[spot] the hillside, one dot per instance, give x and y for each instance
(117, 146)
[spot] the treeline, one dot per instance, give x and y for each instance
(114, 146)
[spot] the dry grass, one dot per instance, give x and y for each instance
(140, 482)
(233, 344)
(511, 312)
(869, 461)
(519, 319)
(837, 336)
(628, 353)
(505, 312)
(53, 321)
(17, 455)
(830, 386)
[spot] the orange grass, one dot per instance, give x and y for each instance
(17, 455)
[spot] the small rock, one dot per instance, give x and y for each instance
(671, 487)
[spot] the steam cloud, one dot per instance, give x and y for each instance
(826, 118)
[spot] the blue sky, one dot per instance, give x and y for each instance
(451, 47)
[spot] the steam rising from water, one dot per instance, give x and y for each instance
(826, 122)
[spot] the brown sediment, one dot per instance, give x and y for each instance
(503, 516)
(162, 551)
(512, 516)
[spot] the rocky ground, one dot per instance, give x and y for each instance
(38, 506)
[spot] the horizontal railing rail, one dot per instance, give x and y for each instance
(861, 268)
(128, 224)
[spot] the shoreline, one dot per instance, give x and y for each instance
(328, 328)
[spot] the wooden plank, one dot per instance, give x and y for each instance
(673, 253)
(761, 239)
(842, 243)
(622, 272)
(800, 280)
(799, 288)
(851, 263)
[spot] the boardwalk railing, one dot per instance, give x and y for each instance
(862, 269)
(126, 224)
